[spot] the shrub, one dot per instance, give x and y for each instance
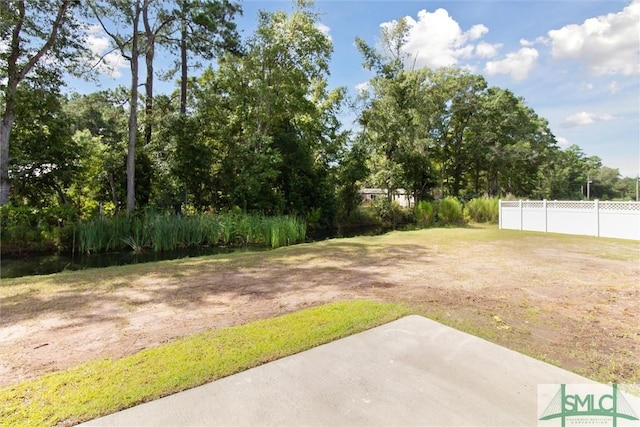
(390, 212)
(382, 208)
(483, 209)
(360, 216)
(425, 213)
(26, 228)
(313, 218)
(450, 212)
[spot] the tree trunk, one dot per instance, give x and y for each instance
(5, 132)
(61, 196)
(133, 115)
(455, 185)
(149, 54)
(493, 184)
(476, 178)
(148, 105)
(183, 64)
(114, 197)
(442, 179)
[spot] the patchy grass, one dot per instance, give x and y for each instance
(101, 387)
(478, 327)
(439, 239)
(492, 328)
(569, 300)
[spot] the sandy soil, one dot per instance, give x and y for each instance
(573, 302)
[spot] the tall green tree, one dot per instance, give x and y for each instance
(205, 28)
(194, 28)
(605, 184)
(99, 123)
(273, 120)
(127, 14)
(510, 144)
(564, 177)
(33, 29)
(157, 21)
(387, 118)
(352, 172)
(457, 99)
(45, 159)
(444, 132)
(627, 188)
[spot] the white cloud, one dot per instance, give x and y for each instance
(516, 64)
(581, 118)
(607, 44)
(362, 88)
(97, 44)
(526, 43)
(588, 86)
(324, 29)
(563, 142)
(469, 68)
(613, 86)
(529, 43)
(477, 31)
(585, 118)
(436, 40)
(100, 45)
(487, 50)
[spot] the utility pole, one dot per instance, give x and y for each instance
(588, 187)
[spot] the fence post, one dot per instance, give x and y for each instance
(520, 207)
(499, 214)
(597, 209)
(544, 206)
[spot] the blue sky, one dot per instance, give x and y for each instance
(576, 63)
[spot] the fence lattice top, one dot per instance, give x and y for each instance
(620, 206)
(533, 204)
(573, 204)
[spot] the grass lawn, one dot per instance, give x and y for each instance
(569, 300)
(105, 386)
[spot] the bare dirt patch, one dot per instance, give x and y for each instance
(571, 300)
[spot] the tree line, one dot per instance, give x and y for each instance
(260, 132)
(446, 133)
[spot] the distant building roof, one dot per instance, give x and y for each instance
(372, 191)
(381, 191)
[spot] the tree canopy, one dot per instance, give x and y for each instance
(260, 129)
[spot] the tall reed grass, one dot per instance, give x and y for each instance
(425, 213)
(482, 209)
(163, 232)
(444, 212)
(449, 211)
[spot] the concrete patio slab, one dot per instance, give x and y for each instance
(412, 371)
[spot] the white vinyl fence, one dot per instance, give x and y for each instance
(592, 218)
